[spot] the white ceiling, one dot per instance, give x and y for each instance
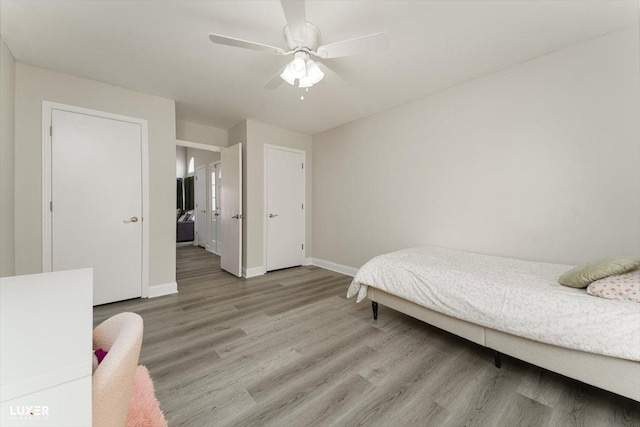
(162, 48)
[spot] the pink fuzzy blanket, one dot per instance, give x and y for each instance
(144, 409)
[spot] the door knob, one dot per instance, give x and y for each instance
(237, 216)
(273, 215)
(132, 219)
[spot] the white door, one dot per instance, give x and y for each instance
(96, 188)
(231, 209)
(218, 205)
(200, 190)
(285, 208)
(214, 169)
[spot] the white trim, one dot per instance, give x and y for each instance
(198, 145)
(308, 261)
(338, 268)
(47, 109)
(264, 197)
(252, 272)
(164, 289)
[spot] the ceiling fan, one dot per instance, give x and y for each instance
(302, 39)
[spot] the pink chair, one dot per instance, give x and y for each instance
(121, 336)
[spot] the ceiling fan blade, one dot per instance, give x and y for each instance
(296, 16)
(276, 80)
(232, 41)
(331, 76)
(360, 45)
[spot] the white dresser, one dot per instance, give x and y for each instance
(46, 324)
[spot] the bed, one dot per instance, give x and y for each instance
(514, 307)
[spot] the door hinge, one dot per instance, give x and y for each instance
(50, 130)
(303, 206)
(303, 246)
(50, 206)
(303, 166)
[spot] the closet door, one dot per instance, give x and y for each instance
(96, 187)
(285, 208)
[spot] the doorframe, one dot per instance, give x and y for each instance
(198, 145)
(47, 111)
(268, 147)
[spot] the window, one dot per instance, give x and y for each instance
(192, 166)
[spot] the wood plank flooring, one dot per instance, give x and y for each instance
(287, 349)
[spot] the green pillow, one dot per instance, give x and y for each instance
(580, 277)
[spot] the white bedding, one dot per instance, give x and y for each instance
(522, 298)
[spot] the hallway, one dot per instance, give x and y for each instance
(193, 262)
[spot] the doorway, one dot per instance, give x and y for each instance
(93, 217)
(193, 202)
(284, 207)
(217, 206)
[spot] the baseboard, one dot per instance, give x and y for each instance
(252, 272)
(308, 261)
(338, 268)
(164, 289)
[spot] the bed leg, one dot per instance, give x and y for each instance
(496, 359)
(374, 307)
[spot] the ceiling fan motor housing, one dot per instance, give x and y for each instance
(313, 38)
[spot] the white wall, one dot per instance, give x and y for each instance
(195, 132)
(237, 134)
(540, 161)
(33, 85)
(7, 151)
(181, 161)
(201, 158)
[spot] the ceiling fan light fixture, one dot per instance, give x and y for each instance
(314, 72)
(287, 75)
(298, 65)
(305, 81)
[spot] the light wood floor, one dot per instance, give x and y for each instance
(287, 349)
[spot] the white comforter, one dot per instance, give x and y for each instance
(518, 297)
